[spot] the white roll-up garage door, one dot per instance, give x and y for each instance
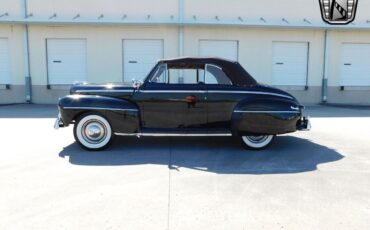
(66, 61)
(216, 48)
(290, 62)
(355, 70)
(139, 57)
(4, 61)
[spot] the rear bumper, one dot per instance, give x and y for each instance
(304, 124)
(58, 122)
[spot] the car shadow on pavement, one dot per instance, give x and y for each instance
(221, 155)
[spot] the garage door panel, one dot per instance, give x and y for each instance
(4, 61)
(290, 63)
(66, 61)
(139, 57)
(219, 48)
(355, 70)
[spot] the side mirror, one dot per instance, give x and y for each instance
(136, 83)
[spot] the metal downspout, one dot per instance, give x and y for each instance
(325, 69)
(181, 36)
(26, 54)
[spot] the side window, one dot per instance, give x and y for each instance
(208, 74)
(186, 76)
(215, 75)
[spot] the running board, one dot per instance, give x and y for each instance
(175, 134)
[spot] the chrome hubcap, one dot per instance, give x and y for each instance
(257, 139)
(94, 132)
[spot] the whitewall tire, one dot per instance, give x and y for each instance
(257, 142)
(93, 132)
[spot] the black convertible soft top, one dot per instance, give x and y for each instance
(237, 74)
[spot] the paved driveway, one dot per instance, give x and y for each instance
(307, 180)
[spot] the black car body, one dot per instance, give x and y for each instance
(215, 97)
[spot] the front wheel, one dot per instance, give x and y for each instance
(93, 132)
(258, 142)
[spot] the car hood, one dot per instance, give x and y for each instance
(119, 90)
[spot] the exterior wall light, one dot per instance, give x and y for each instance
(53, 16)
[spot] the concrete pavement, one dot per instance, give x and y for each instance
(306, 180)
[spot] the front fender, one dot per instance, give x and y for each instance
(265, 116)
(122, 114)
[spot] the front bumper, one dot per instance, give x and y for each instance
(58, 122)
(304, 124)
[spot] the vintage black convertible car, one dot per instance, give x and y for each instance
(182, 97)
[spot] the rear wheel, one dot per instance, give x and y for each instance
(258, 142)
(93, 132)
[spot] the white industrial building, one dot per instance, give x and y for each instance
(47, 45)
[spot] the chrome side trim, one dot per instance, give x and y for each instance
(251, 92)
(105, 91)
(294, 108)
(101, 108)
(182, 91)
(175, 134)
(173, 91)
(215, 91)
(240, 111)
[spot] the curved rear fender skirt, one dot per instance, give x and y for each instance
(265, 116)
(123, 115)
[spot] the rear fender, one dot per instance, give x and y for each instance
(123, 115)
(265, 116)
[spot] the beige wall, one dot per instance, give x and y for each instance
(16, 93)
(14, 34)
(337, 38)
(112, 9)
(250, 10)
(255, 48)
(104, 51)
(104, 55)
(350, 94)
(271, 10)
(13, 7)
(104, 48)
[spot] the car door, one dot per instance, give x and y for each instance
(221, 99)
(172, 106)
